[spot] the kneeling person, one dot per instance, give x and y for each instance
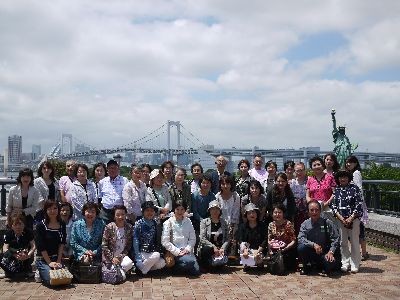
(179, 238)
(318, 240)
(18, 248)
(252, 238)
(145, 244)
(213, 238)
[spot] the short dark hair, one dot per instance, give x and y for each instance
(121, 207)
(206, 176)
(83, 166)
(317, 158)
(279, 205)
(99, 164)
(165, 163)
(71, 209)
(90, 205)
(343, 173)
(25, 172)
(148, 167)
(287, 164)
(244, 161)
(227, 179)
(178, 203)
(48, 165)
(112, 162)
(271, 162)
(196, 165)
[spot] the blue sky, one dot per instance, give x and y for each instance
(235, 73)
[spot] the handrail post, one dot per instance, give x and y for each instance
(3, 200)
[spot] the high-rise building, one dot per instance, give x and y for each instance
(14, 149)
(36, 151)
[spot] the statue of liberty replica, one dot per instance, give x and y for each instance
(343, 147)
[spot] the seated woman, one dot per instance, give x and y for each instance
(179, 238)
(145, 244)
(281, 236)
(252, 238)
(213, 238)
(50, 241)
(86, 235)
(117, 240)
(18, 248)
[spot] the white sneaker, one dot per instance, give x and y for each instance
(344, 268)
(2, 275)
(354, 270)
(37, 277)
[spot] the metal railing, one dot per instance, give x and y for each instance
(5, 186)
(382, 196)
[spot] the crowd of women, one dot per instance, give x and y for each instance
(164, 220)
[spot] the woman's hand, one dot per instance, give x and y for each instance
(246, 253)
(23, 255)
(183, 252)
(89, 253)
(116, 261)
(55, 265)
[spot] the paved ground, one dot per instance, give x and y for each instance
(379, 278)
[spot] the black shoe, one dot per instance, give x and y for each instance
(305, 271)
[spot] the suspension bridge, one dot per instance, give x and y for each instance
(186, 143)
(182, 142)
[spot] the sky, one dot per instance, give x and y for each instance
(234, 73)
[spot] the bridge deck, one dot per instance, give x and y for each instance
(379, 277)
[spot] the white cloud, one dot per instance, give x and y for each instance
(109, 72)
(376, 47)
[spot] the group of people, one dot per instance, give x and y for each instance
(159, 219)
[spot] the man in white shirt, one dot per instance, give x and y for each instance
(110, 189)
(258, 171)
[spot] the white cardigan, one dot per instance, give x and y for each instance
(178, 236)
(14, 200)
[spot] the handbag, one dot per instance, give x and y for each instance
(87, 273)
(219, 261)
(112, 274)
(12, 265)
(275, 264)
(60, 277)
(168, 256)
(169, 259)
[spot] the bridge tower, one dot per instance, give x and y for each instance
(178, 132)
(66, 143)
